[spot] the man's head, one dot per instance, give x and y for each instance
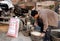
(34, 13)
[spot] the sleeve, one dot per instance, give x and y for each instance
(45, 21)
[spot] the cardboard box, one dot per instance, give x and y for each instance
(4, 27)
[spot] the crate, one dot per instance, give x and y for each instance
(55, 36)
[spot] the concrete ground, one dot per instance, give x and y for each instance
(21, 37)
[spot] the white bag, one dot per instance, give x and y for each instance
(13, 27)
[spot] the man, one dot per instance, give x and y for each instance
(49, 18)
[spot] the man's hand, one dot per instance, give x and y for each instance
(35, 24)
(42, 35)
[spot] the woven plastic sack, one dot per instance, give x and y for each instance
(13, 27)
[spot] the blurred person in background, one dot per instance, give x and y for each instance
(57, 7)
